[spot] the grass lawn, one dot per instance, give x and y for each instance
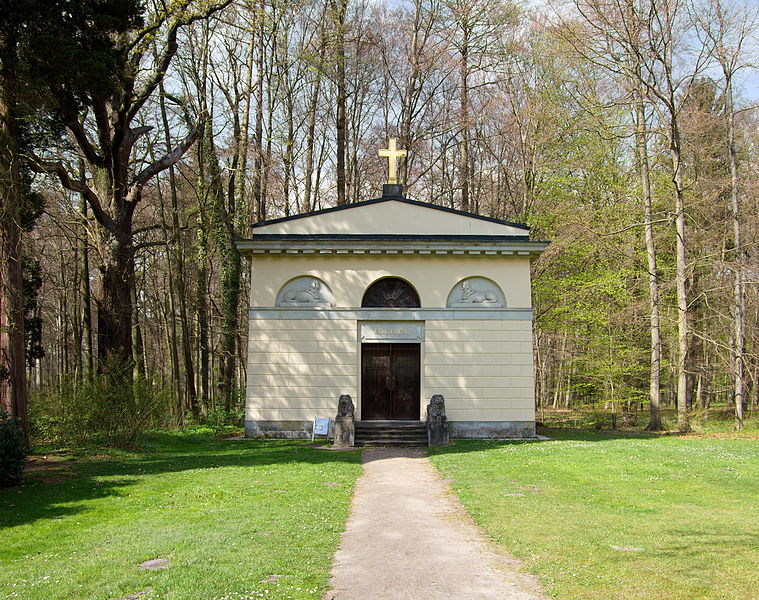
(237, 520)
(619, 516)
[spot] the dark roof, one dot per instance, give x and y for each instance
(390, 237)
(386, 199)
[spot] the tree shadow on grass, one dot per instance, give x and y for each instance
(710, 541)
(92, 475)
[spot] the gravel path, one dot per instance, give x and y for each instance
(409, 538)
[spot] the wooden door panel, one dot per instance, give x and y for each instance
(375, 374)
(405, 366)
(390, 381)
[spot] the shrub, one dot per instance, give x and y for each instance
(13, 451)
(111, 408)
(223, 422)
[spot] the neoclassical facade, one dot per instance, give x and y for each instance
(390, 301)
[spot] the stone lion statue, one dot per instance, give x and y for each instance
(436, 407)
(345, 406)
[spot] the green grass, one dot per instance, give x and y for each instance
(617, 516)
(720, 419)
(228, 514)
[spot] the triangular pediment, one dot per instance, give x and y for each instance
(390, 216)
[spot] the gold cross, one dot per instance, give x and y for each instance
(392, 157)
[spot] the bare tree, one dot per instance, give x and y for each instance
(726, 28)
(339, 11)
(476, 34)
(664, 31)
(617, 42)
(117, 181)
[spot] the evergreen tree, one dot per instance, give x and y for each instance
(54, 54)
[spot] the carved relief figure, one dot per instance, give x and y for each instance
(307, 296)
(476, 292)
(476, 297)
(305, 292)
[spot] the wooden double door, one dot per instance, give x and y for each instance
(390, 380)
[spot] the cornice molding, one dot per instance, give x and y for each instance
(398, 247)
(392, 314)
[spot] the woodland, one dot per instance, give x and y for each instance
(138, 140)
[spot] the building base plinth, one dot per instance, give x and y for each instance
(462, 430)
(279, 430)
(474, 430)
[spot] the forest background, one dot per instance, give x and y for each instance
(624, 131)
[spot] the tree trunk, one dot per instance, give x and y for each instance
(675, 152)
(89, 349)
(287, 155)
(230, 267)
(339, 8)
(258, 171)
(114, 299)
(412, 92)
(267, 161)
(12, 344)
(241, 200)
(138, 352)
(464, 120)
(309, 175)
(171, 314)
(76, 312)
(739, 307)
(654, 393)
(230, 285)
(174, 341)
(177, 262)
(683, 421)
(202, 289)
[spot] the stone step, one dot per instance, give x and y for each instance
(373, 430)
(391, 443)
(377, 424)
(391, 433)
(395, 437)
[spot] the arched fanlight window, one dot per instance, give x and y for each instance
(390, 292)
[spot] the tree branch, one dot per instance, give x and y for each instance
(88, 150)
(140, 230)
(169, 49)
(38, 165)
(144, 245)
(169, 159)
(159, 72)
(133, 135)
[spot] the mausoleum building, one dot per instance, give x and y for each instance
(390, 301)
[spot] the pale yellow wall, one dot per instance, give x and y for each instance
(297, 369)
(349, 275)
(483, 368)
(391, 217)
